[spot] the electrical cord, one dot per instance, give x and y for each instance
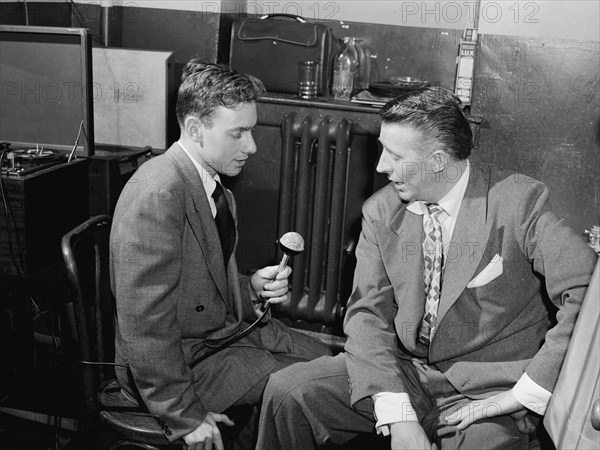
(26, 12)
(235, 338)
(57, 418)
(10, 217)
(100, 363)
(82, 23)
(76, 142)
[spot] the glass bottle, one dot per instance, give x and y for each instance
(363, 73)
(594, 238)
(344, 68)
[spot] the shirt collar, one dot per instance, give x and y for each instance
(451, 201)
(209, 182)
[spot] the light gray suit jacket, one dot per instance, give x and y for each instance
(487, 336)
(175, 298)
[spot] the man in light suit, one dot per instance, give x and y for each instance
(450, 339)
(175, 278)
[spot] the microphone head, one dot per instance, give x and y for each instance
(291, 243)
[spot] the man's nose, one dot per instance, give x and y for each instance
(384, 166)
(250, 147)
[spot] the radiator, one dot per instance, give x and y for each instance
(313, 184)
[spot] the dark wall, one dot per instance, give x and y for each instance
(35, 13)
(186, 33)
(540, 103)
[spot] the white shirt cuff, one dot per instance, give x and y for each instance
(531, 395)
(392, 407)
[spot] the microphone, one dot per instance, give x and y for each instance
(291, 243)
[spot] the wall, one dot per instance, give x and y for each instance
(537, 88)
(536, 84)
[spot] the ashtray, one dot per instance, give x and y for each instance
(408, 82)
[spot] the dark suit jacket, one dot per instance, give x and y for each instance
(487, 336)
(174, 298)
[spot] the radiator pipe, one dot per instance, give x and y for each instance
(343, 140)
(288, 163)
(320, 213)
(302, 211)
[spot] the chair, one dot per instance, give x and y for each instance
(106, 418)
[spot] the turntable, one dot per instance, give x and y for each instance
(47, 116)
(23, 162)
(43, 196)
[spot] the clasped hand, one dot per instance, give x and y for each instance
(270, 288)
(410, 435)
(207, 434)
(504, 403)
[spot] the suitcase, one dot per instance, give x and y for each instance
(271, 48)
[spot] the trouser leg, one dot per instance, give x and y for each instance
(299, 348)
(280, 339)
(498, 432)
(307, 405)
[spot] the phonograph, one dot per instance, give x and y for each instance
(46, 139)
(20, 162)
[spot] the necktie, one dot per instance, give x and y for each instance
(225, 223)
(432, 271)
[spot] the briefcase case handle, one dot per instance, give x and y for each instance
(289, 16)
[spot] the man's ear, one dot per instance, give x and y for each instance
(440, 160)
(194, 129)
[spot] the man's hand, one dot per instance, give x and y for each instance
(523, 421)
(409, 435)
(207, 434)
(267, 289)
(501, 404)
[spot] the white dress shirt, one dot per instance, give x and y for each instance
(392, 407)
(208, 182)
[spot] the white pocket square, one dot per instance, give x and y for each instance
(492, 270)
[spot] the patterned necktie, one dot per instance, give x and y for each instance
(432, 273)
(225, 223)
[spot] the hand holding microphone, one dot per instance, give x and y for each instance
(291, 244)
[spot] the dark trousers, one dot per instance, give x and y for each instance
(288, 347)
(307, 406)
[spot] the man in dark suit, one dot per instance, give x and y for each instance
(174, 274)
(450, 340)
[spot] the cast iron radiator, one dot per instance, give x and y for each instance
(314, 175)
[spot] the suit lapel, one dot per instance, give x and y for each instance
(201, 221)
(403, 255)
(468, 243)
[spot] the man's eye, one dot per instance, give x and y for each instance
(393, 156)
(237, 135)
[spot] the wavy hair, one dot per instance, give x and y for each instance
(205, 86)
(437, 113)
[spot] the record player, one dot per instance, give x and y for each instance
(42, 196)
(25, 161)
(47, 117)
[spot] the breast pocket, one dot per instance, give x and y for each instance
(492, 288)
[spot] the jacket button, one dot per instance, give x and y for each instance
(168, 433)
(199, 308)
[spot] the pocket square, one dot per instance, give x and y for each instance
(491, 271)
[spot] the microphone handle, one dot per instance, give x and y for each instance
(282, 264)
